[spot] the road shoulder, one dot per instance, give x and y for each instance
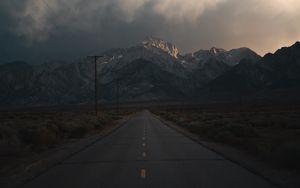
(55, 156)
(279, 178)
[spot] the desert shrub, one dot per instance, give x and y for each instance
(116, 117)
(179, 120)
(52, 126)
(43, 138)
(209, 117)
(39, 138)
(73, 129)
(281, 123)
(161, 113)
(98, 125)
(230, 133)
(242, 130)
(26, 135)
(196, 128)
(288, 155)
(225, 137)
(170, 115)
(243, 115)
(202, 116)
(262, 123)
(78, 132)
(193, 123)
(88, 121)
(264, 149)
(219, 123)
(105, 119)
(64, 128)
(9, 142)
(293, 124)
(39, 131)
(5, 133)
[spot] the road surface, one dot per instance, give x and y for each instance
(146, 153)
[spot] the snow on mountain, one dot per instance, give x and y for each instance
(273, 72)
(151, 70)
(157, 51)
(231, 58)
(155, 44)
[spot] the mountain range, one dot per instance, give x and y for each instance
(274, 75)
(153, 70)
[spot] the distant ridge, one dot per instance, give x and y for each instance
(152, 70)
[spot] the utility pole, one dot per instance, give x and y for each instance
(118, 97)
(96, 82)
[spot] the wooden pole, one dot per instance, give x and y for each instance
(96, 83)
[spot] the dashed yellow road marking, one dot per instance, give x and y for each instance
(144, 154)
(143, 173)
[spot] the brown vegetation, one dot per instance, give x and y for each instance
(26, 134)
(272, 136)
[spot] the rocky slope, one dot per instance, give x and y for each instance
(152, 70)
(274, 72)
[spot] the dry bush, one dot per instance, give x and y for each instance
(220, 122)
(43, 138)
(194, 123)
(259, 132)
(9, 142)
(225, 137)
(72, 129)
(78, 132)
(39, 137)
(263, 122)
(21, 132)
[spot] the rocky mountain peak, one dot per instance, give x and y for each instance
(216, 51)
(297, 44)
(152, 42)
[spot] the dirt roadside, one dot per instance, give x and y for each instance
(278, 177)
(55, 156)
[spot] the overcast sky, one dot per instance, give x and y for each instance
(41, 30)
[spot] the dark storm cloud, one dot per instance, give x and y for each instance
(37, 30)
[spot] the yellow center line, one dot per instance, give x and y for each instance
(143, 173)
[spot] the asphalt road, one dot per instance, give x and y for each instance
(146, 153)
